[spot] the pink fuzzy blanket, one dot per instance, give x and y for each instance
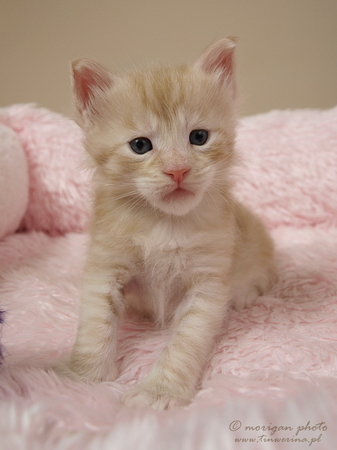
(271, 381)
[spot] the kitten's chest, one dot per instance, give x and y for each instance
(169, 260)
(165, 262)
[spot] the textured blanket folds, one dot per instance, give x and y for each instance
(271, 381)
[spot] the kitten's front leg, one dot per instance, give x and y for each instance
(173, 378)
(94, 355)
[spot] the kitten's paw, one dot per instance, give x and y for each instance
(64, 370)
(245, 299)
(84, 372)
(144, 395)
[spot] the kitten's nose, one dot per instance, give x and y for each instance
(177, 175)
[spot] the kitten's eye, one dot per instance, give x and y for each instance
(141, 145)
(198, 137)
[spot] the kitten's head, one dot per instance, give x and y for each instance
(160, 136)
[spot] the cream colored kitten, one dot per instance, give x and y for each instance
(167, 240)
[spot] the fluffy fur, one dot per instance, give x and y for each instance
(2, 318)
(168, 240)
(57, 199)
(273, 364)
(13, 181)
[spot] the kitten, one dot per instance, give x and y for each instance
(168, 239)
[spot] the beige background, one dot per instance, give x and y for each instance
(287, 54)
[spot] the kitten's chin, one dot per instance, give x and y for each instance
(178, 202)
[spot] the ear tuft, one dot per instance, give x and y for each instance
(89, 79)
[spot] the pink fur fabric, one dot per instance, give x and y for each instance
(13, 181)
(271, 381)
(59, 187)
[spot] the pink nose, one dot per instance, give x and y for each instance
(177, 175)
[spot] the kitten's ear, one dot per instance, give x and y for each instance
(218, 59)
(90, 80)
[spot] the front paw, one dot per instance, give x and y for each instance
(143, 394)
(245, 298)
(85, 372)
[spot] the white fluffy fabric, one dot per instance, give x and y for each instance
(271, 381)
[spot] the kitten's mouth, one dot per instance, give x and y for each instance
(177, 194)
